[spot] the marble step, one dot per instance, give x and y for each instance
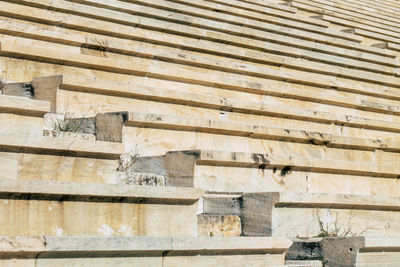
(143, 251)
(48, 208)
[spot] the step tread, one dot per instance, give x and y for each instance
(24, 106)
(58, 144)
(95, 190)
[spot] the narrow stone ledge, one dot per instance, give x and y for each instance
(146, 244)
(23, 106)
(48, 145)
(23, 189)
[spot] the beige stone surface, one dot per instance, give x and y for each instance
(23, 105)
(218, 225)
(182, 251)
(68, 209)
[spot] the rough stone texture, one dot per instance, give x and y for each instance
(257, 215)
(134, 178)
(345, 251)
(181, 174)
(219, 225)
(221, 204)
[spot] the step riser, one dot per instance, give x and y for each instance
(142, 260)
(75, 218)
(57, 168)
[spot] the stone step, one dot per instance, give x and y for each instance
(373, 35)
(183, 123)
(278, 214)
(64, 159)
(143, 251)
(187, 74)
(370, 53)
(196, 103)
(196, 58)
(120, 46)
(124, 66)
(75, 83)
(22, 115)
(23, 106)
(342, 11)
(353, 18)
(365, 6)
(267, 10)
(348, 251)
(271, 4)
(37, 208)
(224, 17)
(125, 47)
(225, 171)
(383, 7)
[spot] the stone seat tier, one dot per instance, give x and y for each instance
(38, 208)
(266, 11)
(22, 115)
(357, 18)
(143, 251)
(271, 4)
(49, 158)
(330, 45)
(190, 74)
(129, 90)
(218, 126)
(23, 106)
(186, 175)
(280, 213)
(81, 84)
(208, 51)
(183, 123)
(234, 17)
(382, 7)
(373, 35)
(347, 251)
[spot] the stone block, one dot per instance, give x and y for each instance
(219, 225)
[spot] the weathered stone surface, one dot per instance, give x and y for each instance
(109, 126)
(345, 252)
(219, 225)
(138, 178)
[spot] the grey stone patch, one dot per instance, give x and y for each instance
(332, 251)
(18, 89)
(135, 178)
(218, 204)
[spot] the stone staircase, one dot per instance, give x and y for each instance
(199, 133)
